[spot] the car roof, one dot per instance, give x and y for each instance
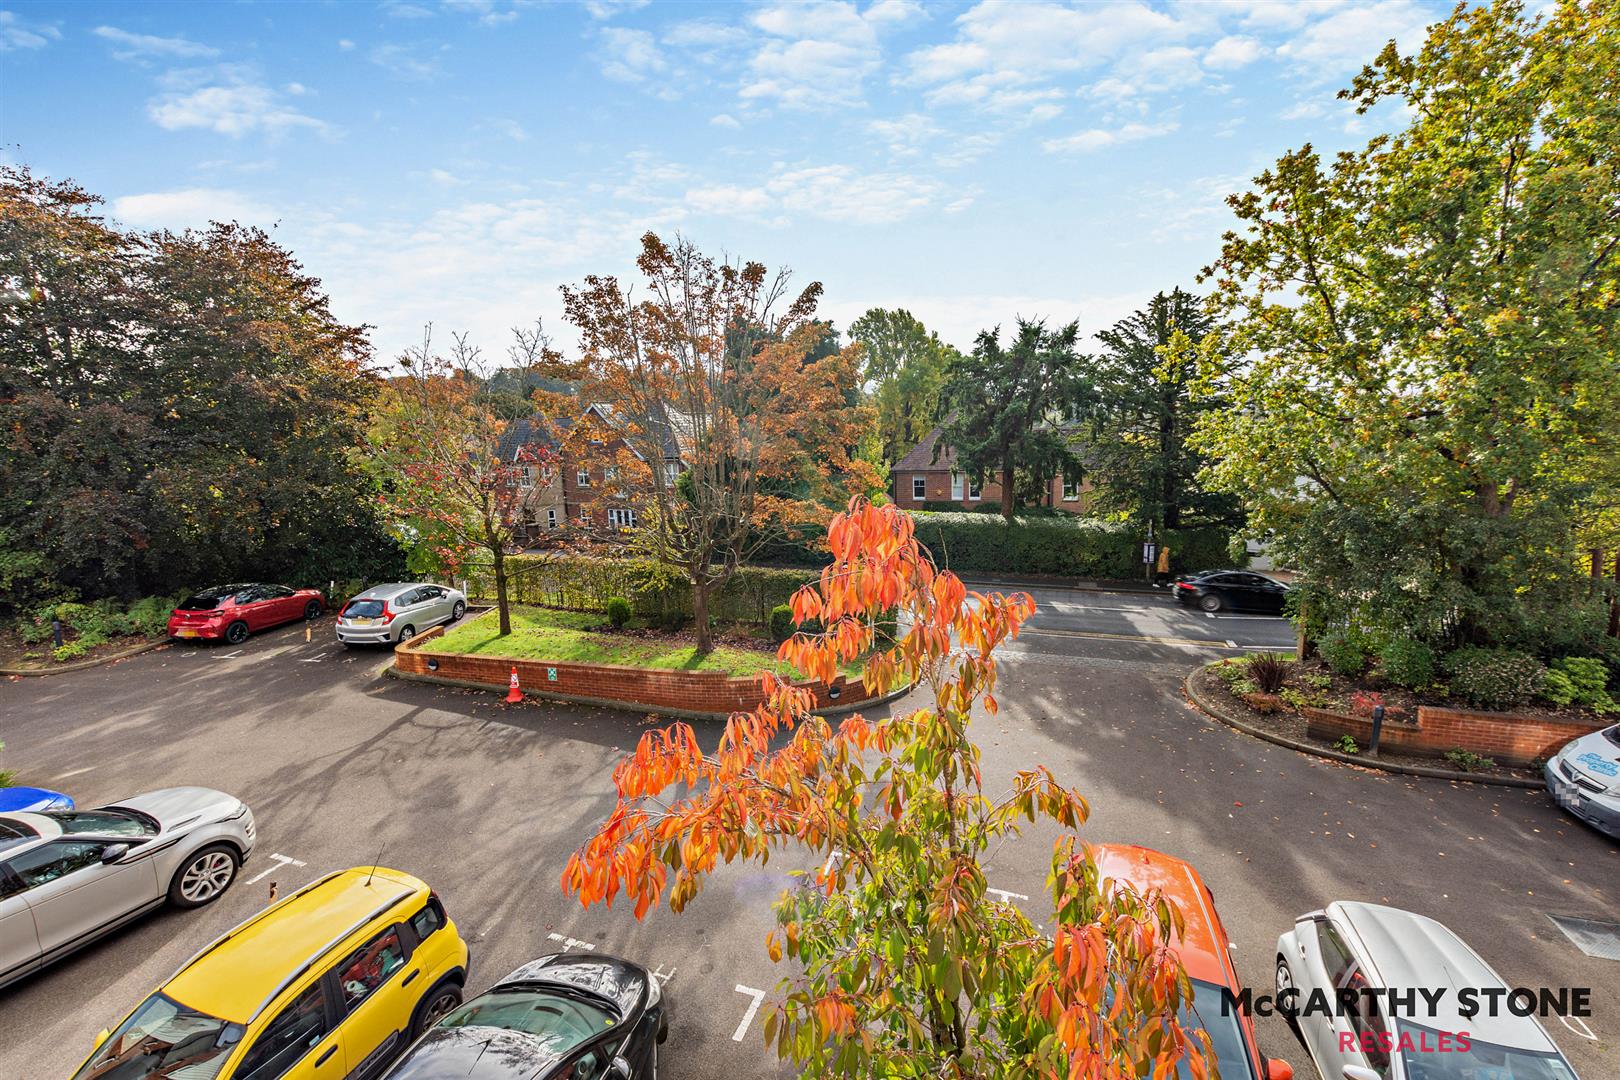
(389, 591)
(242, 973)
(1202, 944)
(1407, 950)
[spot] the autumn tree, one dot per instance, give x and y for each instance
(903, 963)
(452, 479)
(1004, 402)
(905, 370)
(721, 371)
(1423, 358)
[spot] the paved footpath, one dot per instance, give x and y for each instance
(343, 766)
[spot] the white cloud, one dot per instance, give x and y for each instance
(488, 12)
(444, 178)
(189, 208)
(1101, 138)
(235, 106)
(345, 44)
(400, 9)
(630, 55)
(1152, 72)
(1352, 36)
(507, 127)
(1231, 53)
(607, 9)
(819, 53)
(1025, 41)
(728, 199)
(905, 135)
(840, 193)
(1304, 110)
(17, 33)
(724, 120)
(130, 46)
(404, 61)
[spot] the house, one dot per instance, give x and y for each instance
(928, 473)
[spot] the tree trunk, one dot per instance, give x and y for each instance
(501, 603)
(700, 612)
(1007, 492)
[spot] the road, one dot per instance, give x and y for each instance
(344, 766)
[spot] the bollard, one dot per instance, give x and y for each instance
(56, 632)
(1378, 729)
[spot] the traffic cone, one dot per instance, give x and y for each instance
(515, 694)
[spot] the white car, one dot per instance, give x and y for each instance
(1370, 949)
(68, 877)
(1584, 777)
(389, 614)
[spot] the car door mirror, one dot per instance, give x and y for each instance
(101, 1038)
(618, 1069)
(113, 852)
(1360, 1072)
(1278, 1069)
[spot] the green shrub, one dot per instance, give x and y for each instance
(618, 611)
(1299, 699)
(149, 616)
(72, 650)
(781, 625)
(1344, 651)
(1405, 662)
(1558, 688)
(941, 506)
(1346, 745)
(1494, 678)
(1061, 546)
(1578, 680)
(1317, 681)
(1242, 687)
(1468, 761)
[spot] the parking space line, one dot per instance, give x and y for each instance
(281, 862)
(753, 1007)
(663, 976)
(1006, 896)
(1230, 644)
(227, 656)
(575, 943)
(73, 772)
(1154, 638)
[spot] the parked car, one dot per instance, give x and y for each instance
(1355, 946)
(328, 983)
(570, 1016)
(232, 612)
(1242, 590)
(13, 799)
(398, 612)
(1205, 952)
(1584, 777)
(68, 877)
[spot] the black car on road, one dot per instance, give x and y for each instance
(570, 1016)
(1240, 590)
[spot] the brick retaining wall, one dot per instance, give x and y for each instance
(709, 692)
(1509, 738)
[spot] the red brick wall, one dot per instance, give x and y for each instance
(691, 691)
(938, 487)
(1508, 738)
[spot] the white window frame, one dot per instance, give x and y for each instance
(582, 477)
(622, 517)
(919, 488)
(551, 517)
(610, 474)
(956, 487)
(975, 492)
(1071, 491)
(672, 472)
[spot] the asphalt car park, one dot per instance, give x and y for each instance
(343, 767)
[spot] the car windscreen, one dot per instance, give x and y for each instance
(365, 609)
(1612, 734)
(560, 1020)
(1427, 1058)
(163, 1038)
(103, 823)
(14, 833)
(1225, 1033)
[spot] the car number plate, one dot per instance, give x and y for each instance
(361, 621)
(185, 633)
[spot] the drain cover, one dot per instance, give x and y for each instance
(1599, 939)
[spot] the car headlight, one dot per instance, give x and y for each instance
(655, 993)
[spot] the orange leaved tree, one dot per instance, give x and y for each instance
(903, 964)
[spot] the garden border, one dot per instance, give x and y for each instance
(86, 665)
(1215, 712)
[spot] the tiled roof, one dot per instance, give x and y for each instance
(921, 457)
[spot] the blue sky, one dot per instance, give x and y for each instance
(455, 162)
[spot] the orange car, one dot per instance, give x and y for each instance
(1205, 953)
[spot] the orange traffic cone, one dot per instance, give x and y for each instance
(514, 695)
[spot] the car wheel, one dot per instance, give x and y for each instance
(312, 610)
(434, 1006)
(237, 632)
(406, 633)
(458, 611)
(205, 876)
(1285, 981)
(1210, 602)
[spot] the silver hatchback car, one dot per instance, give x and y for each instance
(67, 877)
(389, 614)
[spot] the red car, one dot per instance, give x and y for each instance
(233, 612)
(1205, 953)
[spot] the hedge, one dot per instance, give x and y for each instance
(588, 583)
(1060, 545)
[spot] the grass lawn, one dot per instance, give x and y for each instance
(548, 634)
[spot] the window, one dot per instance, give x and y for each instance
(275, 592)
(1336, 959)
(49, 862)
(531, 474)
(164, 1035)
(1225, 1032)
(973, 489)
(583, 477)
(249, 594)
(622, 519)
(103, 823)
(610, 474)
(672, 472)
(1071, 491)
(919, 487)
(370, 967)
(295, 1032)
(956, 487)
(428, 920)
(551, 518)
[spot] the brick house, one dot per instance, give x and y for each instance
(928, 473)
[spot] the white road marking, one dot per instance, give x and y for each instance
(1583, 1031)
(663, 976)
(312, 659)
(1006, 897)
(281, 861)
(73, 772)
(1230, 644)
(227, 656)
(748, 1017)
(574, 943)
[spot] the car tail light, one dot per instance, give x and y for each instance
(1185, 585)
(386, 613)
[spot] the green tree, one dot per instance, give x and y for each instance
(1422, 353)
(1144, 409)
(905, 370)
(1005, 402)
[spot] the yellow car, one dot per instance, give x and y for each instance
(329, 983)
